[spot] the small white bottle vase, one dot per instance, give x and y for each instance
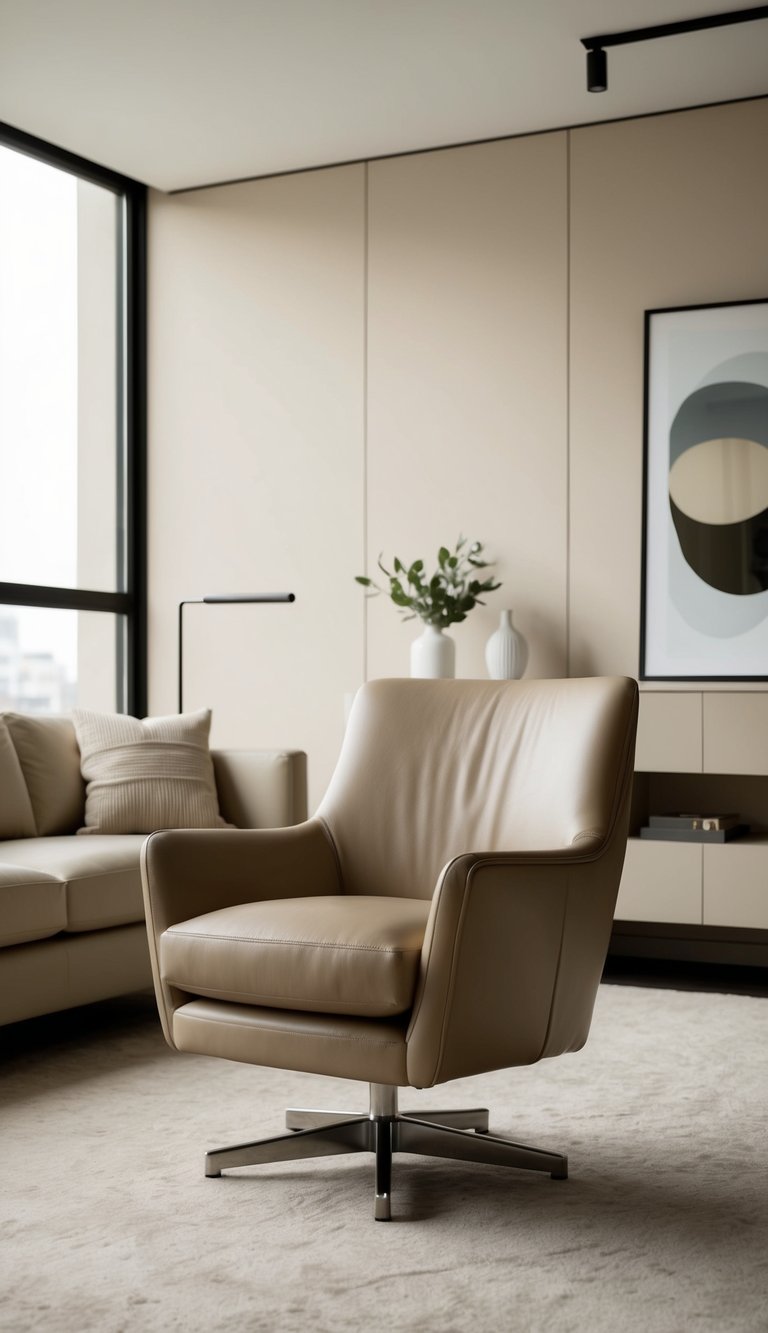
(433, 655)
(506, 652)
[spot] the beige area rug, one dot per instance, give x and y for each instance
(108, 1223)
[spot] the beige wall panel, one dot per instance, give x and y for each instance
(661, 882)
(467, 385)
(256, 454)
(665, 211)
(736, 886)
(669, 733)
(736, 733)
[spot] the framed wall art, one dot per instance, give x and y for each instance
(705, 494)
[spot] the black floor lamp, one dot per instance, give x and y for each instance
(197, 601)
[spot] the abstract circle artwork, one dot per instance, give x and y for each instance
(705, 604)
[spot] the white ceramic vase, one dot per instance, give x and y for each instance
(433, 655)
(506, 652)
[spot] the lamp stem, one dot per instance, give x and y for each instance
(218, 598)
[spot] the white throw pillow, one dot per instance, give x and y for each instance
(146, 775)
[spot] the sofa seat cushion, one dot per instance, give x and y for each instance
(336, 955)
(32, 905)
(100, 875)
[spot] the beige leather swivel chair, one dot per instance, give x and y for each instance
(446, 912)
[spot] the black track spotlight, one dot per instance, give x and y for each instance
(597, 70)
(597, 64)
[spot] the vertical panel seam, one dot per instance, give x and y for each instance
(703, 864)
(568, 403)
(365, 406)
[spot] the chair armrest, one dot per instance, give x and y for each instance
(261, 788)
(513, 954)
(187, 872)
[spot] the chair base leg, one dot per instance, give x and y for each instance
(382, 1203)
(430, 1140)
(351, 1135)
(476, 1119)
(457, 1135)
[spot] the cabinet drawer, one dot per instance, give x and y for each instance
(736, 733)
(661, 882)
(736, 885)
(669, 736)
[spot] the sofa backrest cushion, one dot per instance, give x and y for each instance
(50, 761)
(147, 775)
(16, 817)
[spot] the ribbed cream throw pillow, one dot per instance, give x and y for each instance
(146, 775)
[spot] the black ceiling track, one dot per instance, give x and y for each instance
(674, 29)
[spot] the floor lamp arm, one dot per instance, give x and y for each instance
(217, 599)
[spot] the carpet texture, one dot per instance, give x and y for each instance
(109, 1225)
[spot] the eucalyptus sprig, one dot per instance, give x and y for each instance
(444, 598)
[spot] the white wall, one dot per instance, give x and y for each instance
(665, 211)
(467, 326)
(374, 358)
(255, 454)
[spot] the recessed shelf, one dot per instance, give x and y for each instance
(679, 883)
(664, 793)
(705, 751)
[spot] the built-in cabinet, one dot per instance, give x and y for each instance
(698, 751)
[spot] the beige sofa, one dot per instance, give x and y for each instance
(71, 915)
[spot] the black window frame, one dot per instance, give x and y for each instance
(131, 674)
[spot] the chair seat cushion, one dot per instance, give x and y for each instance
(336, 955)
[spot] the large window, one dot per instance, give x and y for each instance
(72, 489)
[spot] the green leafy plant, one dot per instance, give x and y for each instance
(443, 598)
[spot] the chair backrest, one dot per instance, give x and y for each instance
(431, 769)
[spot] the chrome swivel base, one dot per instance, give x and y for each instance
(385, 1131)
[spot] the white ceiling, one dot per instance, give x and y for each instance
(181, 93)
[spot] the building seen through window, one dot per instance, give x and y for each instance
(32, 682)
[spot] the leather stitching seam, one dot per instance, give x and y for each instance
(333, 1036)
(262, 998)
(311, 944)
